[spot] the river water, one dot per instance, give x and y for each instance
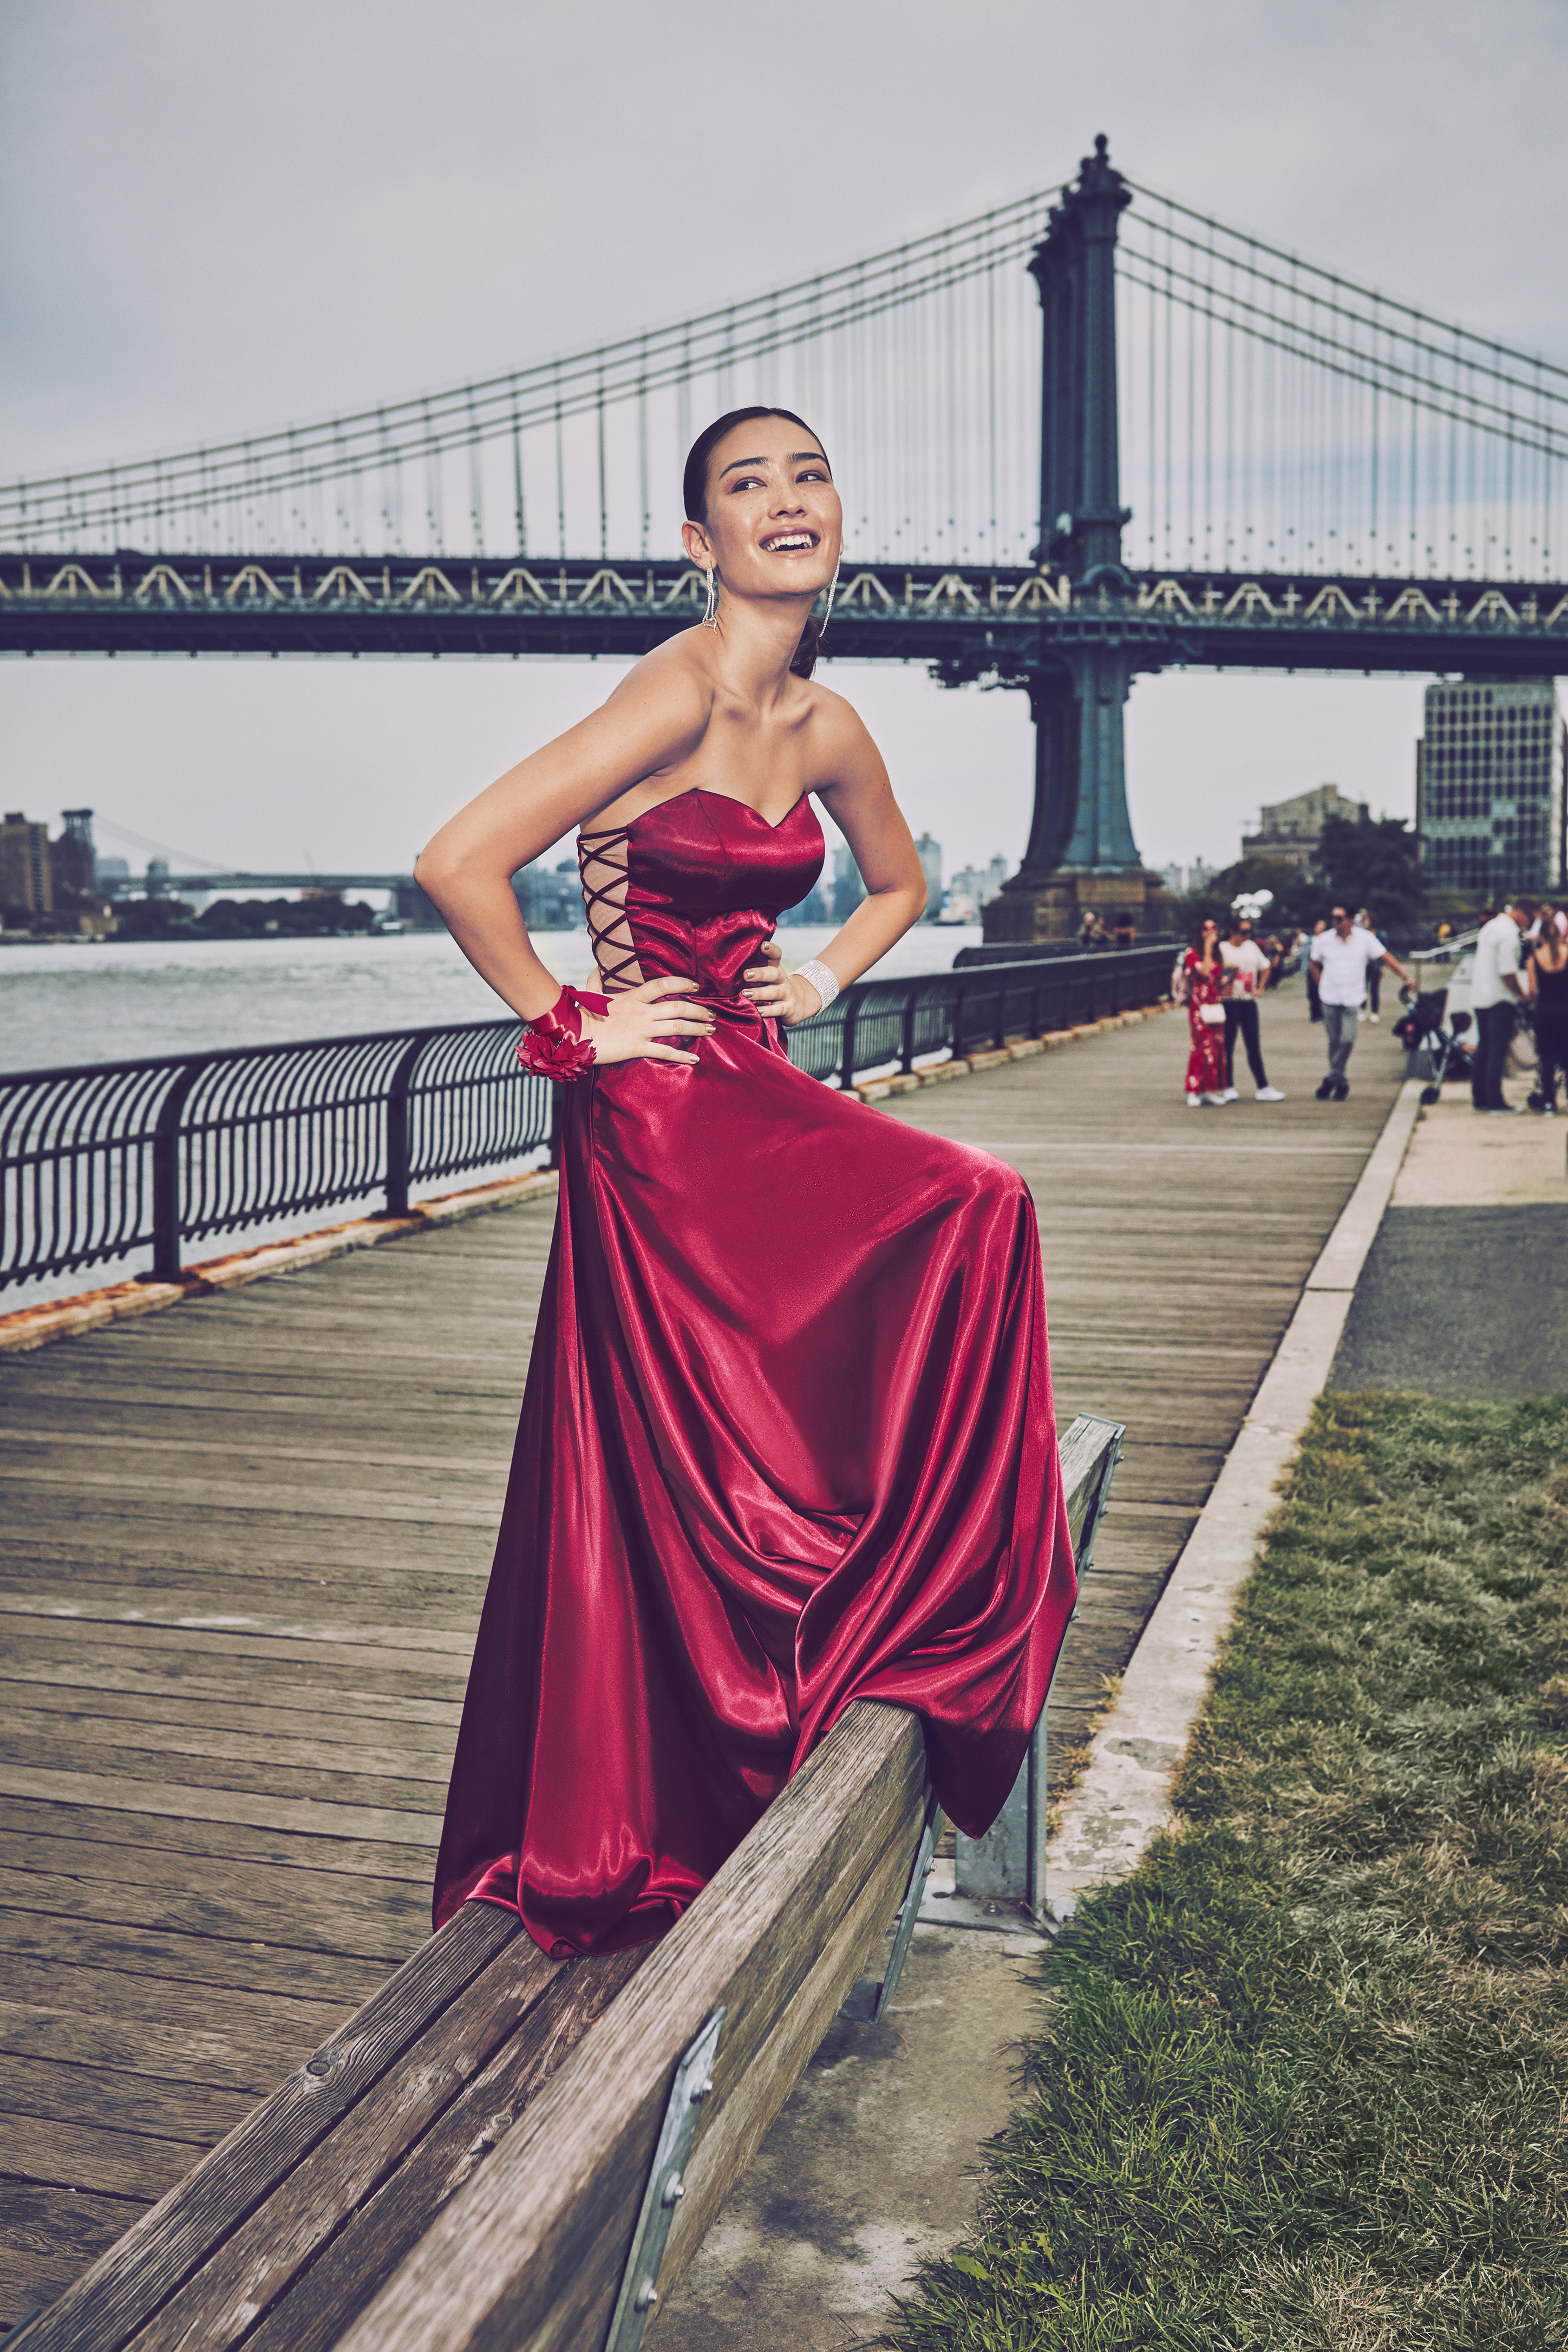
(109, 1002)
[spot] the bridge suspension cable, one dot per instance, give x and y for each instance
(887, 318)
(1279, 416)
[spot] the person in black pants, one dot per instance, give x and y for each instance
(1246, 969)
(1549, 1003)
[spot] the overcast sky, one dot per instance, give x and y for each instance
(218, 218)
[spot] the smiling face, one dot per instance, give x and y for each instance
(772, 521)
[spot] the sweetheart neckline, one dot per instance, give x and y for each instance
(702, 792)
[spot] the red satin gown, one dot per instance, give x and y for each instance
(786, 1439)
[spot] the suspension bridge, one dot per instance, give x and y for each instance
(1320, 478)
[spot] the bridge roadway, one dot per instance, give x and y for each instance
(967, 620)
(245, 1543)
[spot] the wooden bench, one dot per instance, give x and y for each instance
(467, 2162)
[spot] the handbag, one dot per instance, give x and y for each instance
(1213, 1013)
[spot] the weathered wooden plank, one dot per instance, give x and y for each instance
(208, 1454)
(379, 1920)
(328, 1643)
(161, 1839)
(530, 2253)
(124, 2289)
(126, 2002)
(256, 1966)
(201, 1608)
(524, 2007)
(48, 2235)
(248, 2058)
(228, 1713)
(302, 1767)
(119, 2102)
(128, 1795)
(345, 2275)
(43, 1660)
(243, 1699)
(272, 1496)
(79, 2155)
(93, 1563)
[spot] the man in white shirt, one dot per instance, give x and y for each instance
(1246, 971)
(1341, 955)
(1496, 990)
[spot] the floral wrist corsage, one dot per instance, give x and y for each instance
(553, 1046)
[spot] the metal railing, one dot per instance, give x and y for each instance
(894, 1023)
(103, 1161)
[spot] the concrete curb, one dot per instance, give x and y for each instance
(89, 1310)
(1124, 1794)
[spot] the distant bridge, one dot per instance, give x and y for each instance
(1323, 477)
(329, 885)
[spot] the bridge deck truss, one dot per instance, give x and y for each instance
(967, 622)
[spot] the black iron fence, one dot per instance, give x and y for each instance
(894, 1023)
(101, 1163)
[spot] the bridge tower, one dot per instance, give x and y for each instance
(1081, 852)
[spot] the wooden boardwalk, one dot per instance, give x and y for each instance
(245, 1543)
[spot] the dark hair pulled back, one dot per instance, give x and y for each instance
(694, 495)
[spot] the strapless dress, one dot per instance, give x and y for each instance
(786, 1439)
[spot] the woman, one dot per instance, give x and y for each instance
(786, 1440)
(1546, 970)
(1246, 971)
(1203, 971)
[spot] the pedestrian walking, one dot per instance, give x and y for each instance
(1341, 955)
(1497, 992)
(1203, 981)
(1547, 983)
(1246, 972)
(1314, 994)
(1374, 974)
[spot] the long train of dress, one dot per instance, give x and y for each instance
(786, 1439)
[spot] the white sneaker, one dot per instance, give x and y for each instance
(1230, 1095)
(1194, 1102)
(1375, 1018)
(1269, 1094)
(1220, 1101)
(1362, 1014)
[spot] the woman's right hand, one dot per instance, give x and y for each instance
(641, 1019)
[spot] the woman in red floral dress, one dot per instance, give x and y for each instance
(1202, 968)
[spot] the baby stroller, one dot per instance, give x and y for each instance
(1425, 1030)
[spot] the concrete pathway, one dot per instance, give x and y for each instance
(1465, 1293)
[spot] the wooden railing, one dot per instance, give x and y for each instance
(468, 2166)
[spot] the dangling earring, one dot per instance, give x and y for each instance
(710, 618)
(832, 592)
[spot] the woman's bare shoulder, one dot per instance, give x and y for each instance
(675, 677)
(839, 737)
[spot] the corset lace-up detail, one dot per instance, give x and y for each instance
(602, 862)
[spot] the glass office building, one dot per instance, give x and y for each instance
(1488, 788)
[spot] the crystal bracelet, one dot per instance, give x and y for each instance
(821, 979)
(553, 1046)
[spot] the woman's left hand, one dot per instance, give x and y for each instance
(779, 995)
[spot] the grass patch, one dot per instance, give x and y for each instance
(1304, 2078)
